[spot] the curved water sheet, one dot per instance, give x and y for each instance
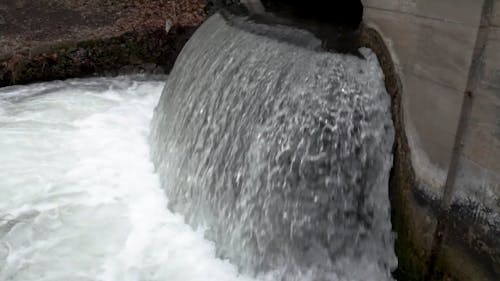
(78, 196)
(281, 152)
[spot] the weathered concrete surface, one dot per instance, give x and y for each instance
(56, 39)
(432, 44)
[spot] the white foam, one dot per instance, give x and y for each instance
(79, 199)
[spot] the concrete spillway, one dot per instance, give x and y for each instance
(440, 64)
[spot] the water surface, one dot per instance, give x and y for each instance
(79, 199)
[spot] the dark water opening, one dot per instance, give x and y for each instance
(335, 23)
(345, 13)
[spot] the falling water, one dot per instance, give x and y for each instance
(280, 152)
(79, 200)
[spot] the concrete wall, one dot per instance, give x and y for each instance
(442, 49)
(432, 43)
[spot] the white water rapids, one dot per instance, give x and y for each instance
(79, 199)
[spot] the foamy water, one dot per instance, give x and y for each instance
(79, 199)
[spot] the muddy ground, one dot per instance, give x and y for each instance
(55, 39)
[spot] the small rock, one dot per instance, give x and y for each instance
(147, 67)
(126, 70)
(168, 25)
(158, 70)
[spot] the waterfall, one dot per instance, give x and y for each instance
(281, 153)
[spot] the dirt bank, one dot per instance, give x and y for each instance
(57, 39)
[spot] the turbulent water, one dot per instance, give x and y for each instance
(280, 152)
(79, 199)
(272, 157)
